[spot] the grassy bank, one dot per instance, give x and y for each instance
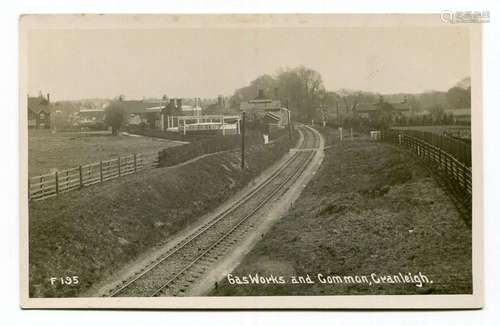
(175, 155)
(370, 209)
(93, 232)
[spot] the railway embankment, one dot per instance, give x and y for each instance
(194, 262)
(112, 224)
(372, 212)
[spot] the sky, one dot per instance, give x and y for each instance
(195, 62)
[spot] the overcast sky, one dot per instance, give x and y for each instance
(75, 64)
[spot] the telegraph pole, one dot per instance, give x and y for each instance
(289, 126)
(243, 140)
(289, 122)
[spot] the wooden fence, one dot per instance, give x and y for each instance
(460, 149)
(449, 156)
(53, 184)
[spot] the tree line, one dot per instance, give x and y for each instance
(302, 90)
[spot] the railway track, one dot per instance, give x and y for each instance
(172, 273)
(311, 140)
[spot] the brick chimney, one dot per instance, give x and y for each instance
(48, 97)
(179, 103)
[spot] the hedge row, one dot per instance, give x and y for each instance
(178, 154)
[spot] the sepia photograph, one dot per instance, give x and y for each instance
(251, 161)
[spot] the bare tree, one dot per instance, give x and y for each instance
(302, 86)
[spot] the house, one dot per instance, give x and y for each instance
(366, 110)
(39, 111)
(259, 105)
(263, 108)
(373, 110)
(157, 114)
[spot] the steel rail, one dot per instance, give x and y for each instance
(242, 220)
(202, 229)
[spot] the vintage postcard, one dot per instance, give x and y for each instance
(251, 161)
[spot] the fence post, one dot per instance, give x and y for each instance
(464, 178)
(446, 164)
(439, 153)
(453, 170)
(57, 182)
(80, 175)
(135, 162)
(29, 188)
(100, 170)
(119, 166)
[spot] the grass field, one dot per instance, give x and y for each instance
(47, 151)
(371, 208)
(93, 232)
